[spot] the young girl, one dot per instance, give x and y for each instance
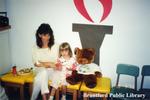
(64, 66)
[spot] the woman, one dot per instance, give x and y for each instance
(45, 54)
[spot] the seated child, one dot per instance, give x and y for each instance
(64, 67)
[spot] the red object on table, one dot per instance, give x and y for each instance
(14, 70)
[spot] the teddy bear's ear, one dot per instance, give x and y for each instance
(76, 50)
(92, 50)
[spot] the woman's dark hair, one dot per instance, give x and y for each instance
(44, 29)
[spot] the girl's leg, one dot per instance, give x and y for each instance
(52, 94)
(55, 83)
(44, 97)
(64, 88)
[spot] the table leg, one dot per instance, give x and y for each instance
(20, 86)
(21, 92)
(30, 88)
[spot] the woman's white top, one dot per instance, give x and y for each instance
(45, 54)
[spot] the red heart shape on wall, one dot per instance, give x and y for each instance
(107, 5)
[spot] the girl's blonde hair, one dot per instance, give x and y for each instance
(65, 45)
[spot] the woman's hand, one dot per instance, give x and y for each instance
(47, 64)
(38, 64)
(98, 74)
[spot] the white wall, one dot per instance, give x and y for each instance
(130, 40)
(4, 45)
(5, 63)
(2, 6)
(128, 44)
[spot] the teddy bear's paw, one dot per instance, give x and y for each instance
(74, 73)
(90, 85)
(90, 81)
(71, 80)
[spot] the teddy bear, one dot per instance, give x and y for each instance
(86, 71)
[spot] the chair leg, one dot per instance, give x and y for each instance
(79, 94)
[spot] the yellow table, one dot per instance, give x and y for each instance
(102, 88)
(17, 81)
(103, 85)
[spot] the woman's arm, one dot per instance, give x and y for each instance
(38, 65)
(48, 64)
(45, 64)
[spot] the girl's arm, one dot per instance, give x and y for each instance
(73, 67)
(58, 65)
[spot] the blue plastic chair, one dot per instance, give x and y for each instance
(145, 73)
(125, 69)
